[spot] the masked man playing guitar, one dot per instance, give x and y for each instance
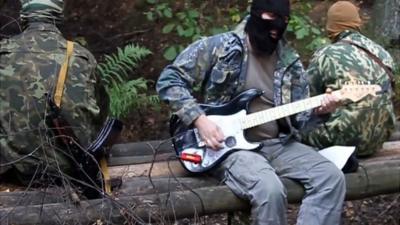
(255, 56)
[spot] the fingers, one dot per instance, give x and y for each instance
(214, 138)
(210, 133)
(329, 103)
(213, 143)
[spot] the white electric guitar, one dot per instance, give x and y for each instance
(233, 119)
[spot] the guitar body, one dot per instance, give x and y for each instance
(193, 154)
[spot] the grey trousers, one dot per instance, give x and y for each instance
(254, 176)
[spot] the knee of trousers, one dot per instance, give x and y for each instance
(250, 176)
(269, 190)
(332, 178)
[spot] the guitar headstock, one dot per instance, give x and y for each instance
(357, 91)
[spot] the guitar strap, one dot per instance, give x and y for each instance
(376, 59)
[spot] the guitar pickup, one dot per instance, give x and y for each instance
(199, 141)
(194, 158)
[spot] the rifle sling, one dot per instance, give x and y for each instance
(106, 137)
(58, 93)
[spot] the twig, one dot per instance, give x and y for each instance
(129, 34)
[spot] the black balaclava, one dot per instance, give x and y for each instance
(258, 29)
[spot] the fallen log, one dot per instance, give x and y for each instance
(135, 186)
(142, 209)
(158, 151)
(20, 198)
(129, 160)
(133, 177)
(390, 151)
(395, 136)
(157, 169)
(142, 148)
(165, 146)
(373, 178)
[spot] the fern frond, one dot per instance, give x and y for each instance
(124, 94)
(118, 65)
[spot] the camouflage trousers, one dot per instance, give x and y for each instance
(366, 128)
(27, 165)
(254, 176)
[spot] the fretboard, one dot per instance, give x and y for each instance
(282, 111)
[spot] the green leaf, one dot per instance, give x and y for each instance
(151, 1)
(193, 13)
(181, 31)
(161, 7)
(196, 37)
(168, 12)
(315, 30)
(168, 28)
(181, 15)
(217, 30)
(301, 33)
(236, 18)
(188, 32)
(170, 53)
(150, 16)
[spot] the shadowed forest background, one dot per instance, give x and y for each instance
(165, 27)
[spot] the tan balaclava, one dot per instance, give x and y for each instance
(343, 15)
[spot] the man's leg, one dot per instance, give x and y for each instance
(324, 183)
(249, 175)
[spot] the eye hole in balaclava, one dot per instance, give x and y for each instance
(259, 29)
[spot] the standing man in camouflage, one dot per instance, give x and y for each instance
(256, 56)
(29, 66)
(365, 124)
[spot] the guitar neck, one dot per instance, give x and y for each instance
(279, 112)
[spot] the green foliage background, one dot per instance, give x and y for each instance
(194, 19)
(171, 25)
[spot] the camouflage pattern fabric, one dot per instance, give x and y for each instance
(366, 124)
(217, 66)
(29, 67)
(42, 10)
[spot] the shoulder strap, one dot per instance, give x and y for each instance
(375, 58)
(62, 75)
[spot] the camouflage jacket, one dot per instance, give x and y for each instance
(29, 67)
(217, 67)
(367, 123)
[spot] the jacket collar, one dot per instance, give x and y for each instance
(343, 35)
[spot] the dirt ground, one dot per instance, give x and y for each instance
(125, 23)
